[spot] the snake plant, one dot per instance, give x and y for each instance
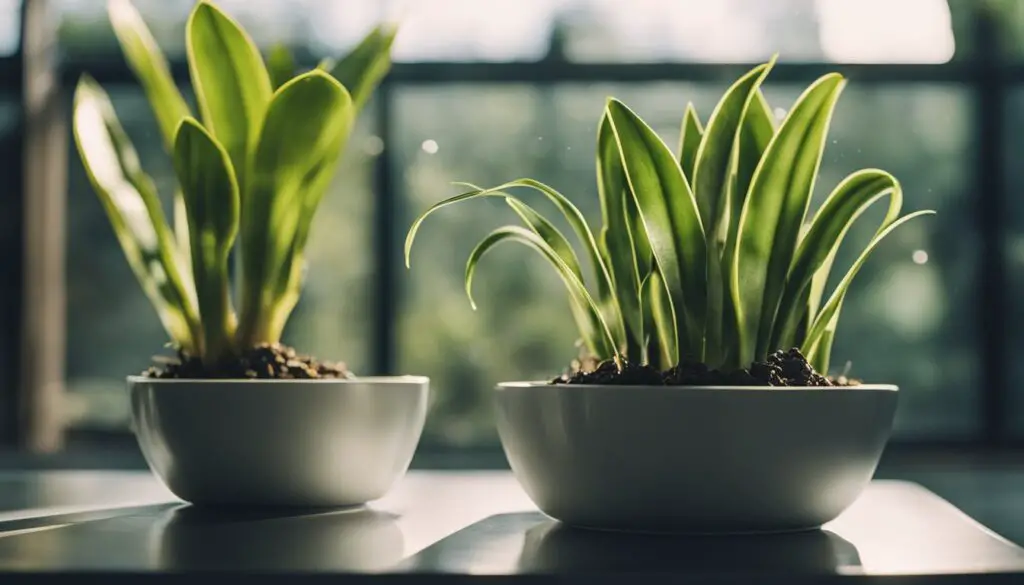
(252, 164)
(706, 252)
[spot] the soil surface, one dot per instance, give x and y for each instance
(265, 361)
(782, 368)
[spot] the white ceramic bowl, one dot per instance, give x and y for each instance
(307, 443)
(693, 459)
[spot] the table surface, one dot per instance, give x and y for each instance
(464, 523)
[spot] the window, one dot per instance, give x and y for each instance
(489, 94)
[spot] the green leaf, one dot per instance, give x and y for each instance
(149, 65)
(577, 292)
(366, 65)
(231, 83)
(712, 168)
(660, 321)
(690, 137)
(292, 166)
(617, 238)
(827, 319)
(671, 220)
(133, 208)
(841, 209)
(590, 328)
(569, 211)
(773, 213)
(211, 201)
(280, 65)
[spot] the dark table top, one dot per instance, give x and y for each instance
(436, 525)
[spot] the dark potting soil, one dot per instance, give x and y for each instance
(265, 361)
(782, 368)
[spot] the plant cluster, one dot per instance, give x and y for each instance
(706, 253)
(252, 167)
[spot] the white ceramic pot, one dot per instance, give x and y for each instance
(306, 443)
(693, 459)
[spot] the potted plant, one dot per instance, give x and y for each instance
(237, 417)
(693, 408)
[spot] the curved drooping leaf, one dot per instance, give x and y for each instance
(773, 213)
(844, 205)
(130, 201)
(211, 201)
(231, 83)
(617, 237)
(828, 317)
(366, 65)
(690, 136)
(292, 165)
(585, 319)
(569, 211)
(579, 296)
(280, 65)
(671, 220)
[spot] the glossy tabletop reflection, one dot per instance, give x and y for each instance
(436, 524)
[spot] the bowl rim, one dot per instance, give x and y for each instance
(403, 379)
(747, 389)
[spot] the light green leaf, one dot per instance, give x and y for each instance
(585, 319)
(366, 65)
(149, 65)
(569, 211)
(292, 166)
(231, 83)
(773, 213)
(280, 65)
(211, 200)
(133, 208)
(577, 292)
(841, 209)
(671, 220)
(617, 238)
(827, 319)
(690, 138)
(712, 170)
(660, 322)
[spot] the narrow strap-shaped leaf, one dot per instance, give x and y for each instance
(569, 211)
(841, 209)
(149, 65)
(671, 219)
(596, 337)
(828, 317)
(619, 251)
(774, 211)
(755, 133)
(133, 208)
(211, 200)
(303, 122)
(711, 170)
(280, 65)
(660, 322)
(820, 354)
(231, 83)
(690, 137)
(561, 246)
(366, 65)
